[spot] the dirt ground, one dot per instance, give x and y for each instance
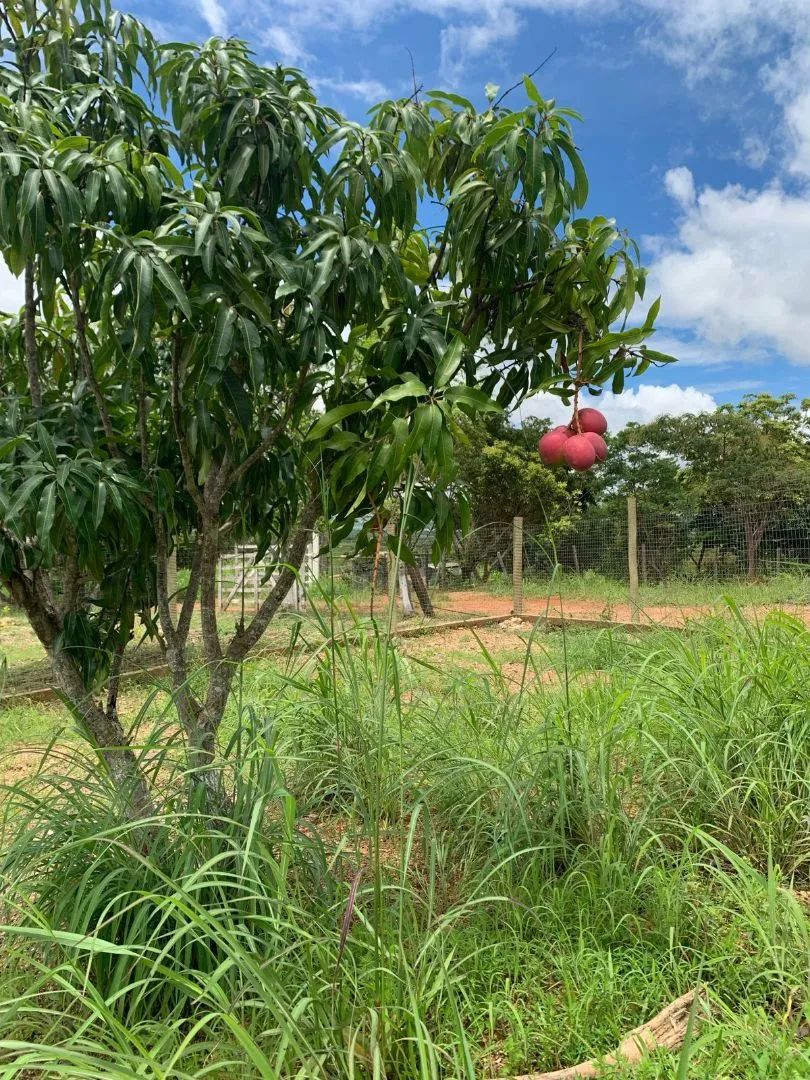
(481, 603)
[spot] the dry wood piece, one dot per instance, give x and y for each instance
(667, 1029)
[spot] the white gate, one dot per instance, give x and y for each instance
(243, 583)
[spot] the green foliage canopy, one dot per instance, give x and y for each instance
(234, 322)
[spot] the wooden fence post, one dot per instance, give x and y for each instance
(517, 566)
(632, 557)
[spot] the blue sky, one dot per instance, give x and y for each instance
(696, 139)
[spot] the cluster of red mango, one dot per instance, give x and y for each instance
(578, 444)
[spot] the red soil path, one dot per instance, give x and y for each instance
(660, 615)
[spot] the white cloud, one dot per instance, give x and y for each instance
(754, 152)
(694, 351)
(286, 45)
(214, 14)
(462, 43)
(797, 117)
(369, 89)
(640, 405)
(737, 273)
(681, 185)
(11, 290)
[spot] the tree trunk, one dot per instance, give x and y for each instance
(404, 594)
(32, 592)
(204, 720)
(421, 590)
(699, 561)
(754, 532)
(107, 734)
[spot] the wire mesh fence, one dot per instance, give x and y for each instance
(476, 561)
(748, 542)
(586, 566)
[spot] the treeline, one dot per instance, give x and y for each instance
(717, 492)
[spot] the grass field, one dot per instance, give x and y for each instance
(579, 596)
(471, 855)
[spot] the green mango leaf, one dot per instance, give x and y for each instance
(172, 283)
(411, 388)
(222, 337)
(238, 399)
(397, 546)
(47, 444)
(24, 493)
(652, 314)
(473, 398)
(334, 416)
(99, 502)
(533, 92)
(46, 513)
(449, 363)
(29, 191)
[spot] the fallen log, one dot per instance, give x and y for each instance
(666, 1030)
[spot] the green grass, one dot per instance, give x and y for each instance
(785, 588)
(429, 872)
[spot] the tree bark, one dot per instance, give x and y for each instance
(30, 336)
(202, 721)
(754, 532)
(86, 358)
(421, 590)
(32, 592)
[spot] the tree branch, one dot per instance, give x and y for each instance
(190, 598)
(30, 334)
(245, 638)
(269, 440)
(31, 590)
(434, 273)
(209, 556)
(87, 366)
(177, 418)
(532, 74)
(188, 707)
(162, 582)
(142, 422)
(71, 580)
(114, 682)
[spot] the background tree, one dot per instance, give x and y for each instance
(500, 476)
(636, 467)
(752, 460)
(207, 252)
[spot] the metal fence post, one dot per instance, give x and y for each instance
(517, 566)
(632, 556)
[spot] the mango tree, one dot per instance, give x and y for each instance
(236, 322)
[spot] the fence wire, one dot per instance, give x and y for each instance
(682, 557)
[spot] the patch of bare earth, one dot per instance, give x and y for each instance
(461, 640)
(476, 603)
